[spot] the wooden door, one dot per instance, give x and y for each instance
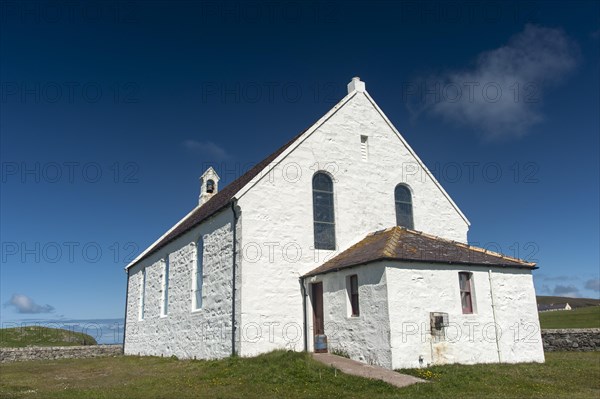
(317, 305)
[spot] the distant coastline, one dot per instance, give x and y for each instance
(104, 331)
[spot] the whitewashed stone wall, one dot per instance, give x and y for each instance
(365, 338)
(414, 291)
(204, 333)
(277, 229)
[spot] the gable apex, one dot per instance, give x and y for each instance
(414, 154)
(356, 85)
(239, 187)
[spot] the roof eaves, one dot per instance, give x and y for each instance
(472, 248)
(147, 251)
(296, 142)
(152, 249)
(386, 258)
(287, 148)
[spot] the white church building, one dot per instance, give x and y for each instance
(341, 241)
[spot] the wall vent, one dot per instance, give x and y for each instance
(364, 147)
(438, 322)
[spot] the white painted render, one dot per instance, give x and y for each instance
(365, 338)
(395, 301)
(415, 290)
(277, 229)
(204, 333)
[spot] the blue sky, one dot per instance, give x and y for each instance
(110, 112)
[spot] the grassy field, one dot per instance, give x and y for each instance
(588, 317)
(290, 375)
(42, 336)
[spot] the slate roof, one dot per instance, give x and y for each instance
(219, 201)
(399, 243)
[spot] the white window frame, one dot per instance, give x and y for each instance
(470, 291)
(164, 308)
(142, 294)
(198, 272)
(319, 245)
(349, 309)
(410, 205)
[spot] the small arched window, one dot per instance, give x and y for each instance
(323, 213)
(404, 212)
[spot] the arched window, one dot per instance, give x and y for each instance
(323, 215)
(198, 270)
(404, 212)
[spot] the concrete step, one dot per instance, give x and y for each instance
(352, 367)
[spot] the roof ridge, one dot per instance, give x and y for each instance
(471, 247)
(385, 244)
(392, 241)
(224, 197)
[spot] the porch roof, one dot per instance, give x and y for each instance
(399, 243)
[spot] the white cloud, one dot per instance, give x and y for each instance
(566, 290)
(207, 149)
(500, 96)
(24, 304)
(593, 284)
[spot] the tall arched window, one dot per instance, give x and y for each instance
(323, 214)
(404, 212)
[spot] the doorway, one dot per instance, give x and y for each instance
(318, 322)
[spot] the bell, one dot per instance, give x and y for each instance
(210, 186)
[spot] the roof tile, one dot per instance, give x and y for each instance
(399, 243)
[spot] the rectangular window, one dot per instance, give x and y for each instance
(466, 292)
(165, 299)
(352, 288)
(364, 147)
(142, 293)
(197, 297)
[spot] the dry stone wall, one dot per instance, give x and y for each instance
(576, 340)
(58, 352)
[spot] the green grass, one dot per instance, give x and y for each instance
(588, 317)
(564, 375)
(42, 336)
(290, 375)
